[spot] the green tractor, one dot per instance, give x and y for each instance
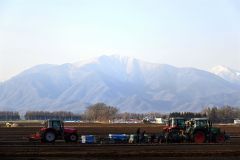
(200, 130)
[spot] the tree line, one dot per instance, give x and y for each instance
(225, 114)
(44, 115)
(9, 116)
(101, 112)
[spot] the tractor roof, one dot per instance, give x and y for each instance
(53, 120)
(199, 119)
(176, 118)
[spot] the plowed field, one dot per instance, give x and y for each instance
(14, 145)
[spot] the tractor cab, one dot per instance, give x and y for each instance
(201, 122)
(55, 124)
(177, 122)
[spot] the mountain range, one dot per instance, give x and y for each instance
(130, 84)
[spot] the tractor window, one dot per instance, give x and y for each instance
(201, 123)
(181, 123)
(56, 125)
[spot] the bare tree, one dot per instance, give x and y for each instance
(225, 114)
(101, 112)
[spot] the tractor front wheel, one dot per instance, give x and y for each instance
(49, 137)
(199, 137)
(220, 138)
(72, 138)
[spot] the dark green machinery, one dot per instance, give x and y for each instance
(200, 130)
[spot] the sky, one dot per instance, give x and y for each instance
(183, 33)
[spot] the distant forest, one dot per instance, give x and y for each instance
(101, 112)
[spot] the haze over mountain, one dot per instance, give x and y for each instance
(130, 84)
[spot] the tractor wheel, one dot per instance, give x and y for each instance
(167, 137)
(172, 137)
(199, 137)
(72, 138)
(49, 137)
(220, 138)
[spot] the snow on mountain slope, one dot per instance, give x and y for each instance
(130, 84)
(226, 73)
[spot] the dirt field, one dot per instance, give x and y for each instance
(15, 145)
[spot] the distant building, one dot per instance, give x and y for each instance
(236, 121)
(154, 120)
(159, 120)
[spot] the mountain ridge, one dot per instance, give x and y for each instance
(130, 84)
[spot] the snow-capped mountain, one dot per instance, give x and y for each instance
(130, 84)
(226, 73)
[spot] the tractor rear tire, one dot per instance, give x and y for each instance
(220, 138)
(49, 137)
(199, 137)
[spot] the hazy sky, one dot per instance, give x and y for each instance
(183, 33)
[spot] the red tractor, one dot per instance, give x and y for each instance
(174, 131)
(55, 130)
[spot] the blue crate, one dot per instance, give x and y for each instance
(88, 139)
(118, 137)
